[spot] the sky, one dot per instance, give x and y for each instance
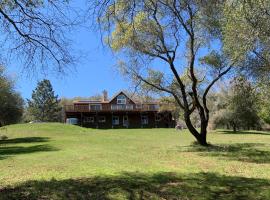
(93, 74)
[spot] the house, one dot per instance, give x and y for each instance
(119, 112)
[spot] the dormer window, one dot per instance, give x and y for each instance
(121, 99)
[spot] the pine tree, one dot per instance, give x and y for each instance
(44, 105)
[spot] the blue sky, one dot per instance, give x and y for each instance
(93, 74)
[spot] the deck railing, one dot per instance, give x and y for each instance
(122, 107)
(113, 107)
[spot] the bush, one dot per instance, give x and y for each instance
(3, 137)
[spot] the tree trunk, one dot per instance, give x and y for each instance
(203, 133)
(234, 127)
(200, 137)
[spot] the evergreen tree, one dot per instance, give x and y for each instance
(44, 105)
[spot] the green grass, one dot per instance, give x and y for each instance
(55, 161)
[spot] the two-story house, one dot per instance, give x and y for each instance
(119, 112)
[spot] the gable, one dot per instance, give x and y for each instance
(121, 95)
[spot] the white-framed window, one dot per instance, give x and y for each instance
(89, 119)
(157, 118)
(144, 119)
(121, 99)
(95, 106)
(102, 119)
(115, 120)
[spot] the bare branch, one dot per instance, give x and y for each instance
(42, 34)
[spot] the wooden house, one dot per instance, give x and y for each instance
(119, 112)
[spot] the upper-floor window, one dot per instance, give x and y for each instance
(121, 99)
(95, 107)
(153, 107)
(138, 106)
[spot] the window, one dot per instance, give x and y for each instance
(95, 107)
(125, 121)
(72, 121)
(115, 120)
(144, 119)
(121, 99)
(122, 107)
(157, 118)
(138, 106)
(153, 107)
(102, 119)
(89, 119)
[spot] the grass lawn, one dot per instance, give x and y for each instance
(56, 161)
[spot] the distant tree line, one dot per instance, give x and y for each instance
(239, 104)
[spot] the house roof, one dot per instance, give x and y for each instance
(121, 92)
(109, 101)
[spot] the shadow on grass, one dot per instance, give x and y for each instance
(246, 152)
(9, 147)
(24, 140)
(6, 151)
(244, 132)
(135, 186)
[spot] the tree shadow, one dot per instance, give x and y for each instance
(6, 151)
(243, 132)
(245, 152)
(138, 186)
(9, 147)
(24, 140)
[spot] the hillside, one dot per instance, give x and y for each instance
(57, 161)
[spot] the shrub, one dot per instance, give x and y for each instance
(3, 137)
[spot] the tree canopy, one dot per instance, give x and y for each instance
(11, 102)
(246, 32)
(239, 107)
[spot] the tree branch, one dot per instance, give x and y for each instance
(210, 86)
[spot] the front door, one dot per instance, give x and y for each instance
(125, 121)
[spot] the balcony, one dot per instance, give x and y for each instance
(108, 107)
(122, 107)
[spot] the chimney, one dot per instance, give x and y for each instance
(105, 95)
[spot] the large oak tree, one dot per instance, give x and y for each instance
(169, 45)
